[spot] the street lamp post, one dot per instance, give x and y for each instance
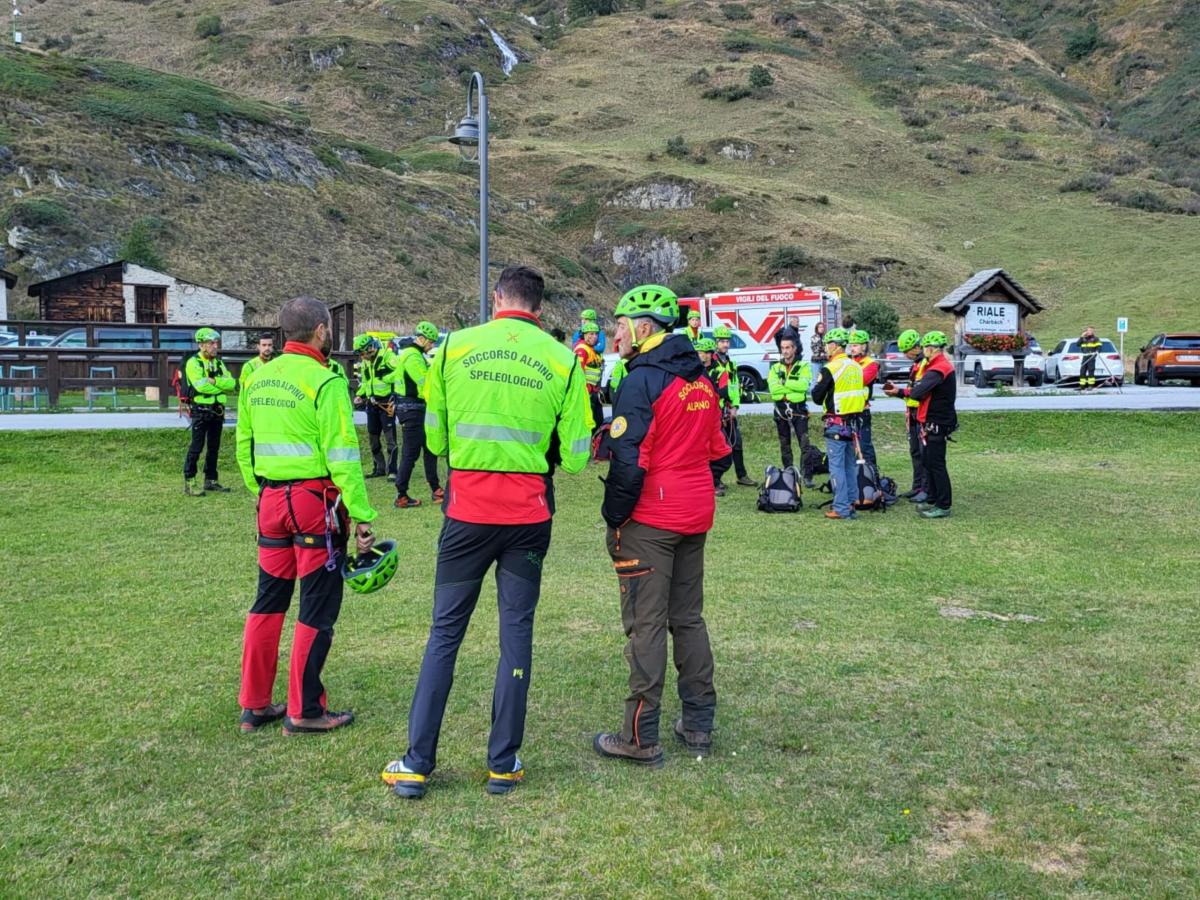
(471, 137)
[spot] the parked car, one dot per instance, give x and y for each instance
(1062, 364)
(893, 365)
(8, 338)
(753, 362)
(37, 340)
(109, 337)
(989, 368)
(1168, 356)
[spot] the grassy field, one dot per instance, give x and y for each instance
(870, 741)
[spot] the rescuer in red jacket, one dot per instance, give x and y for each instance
(659, 503)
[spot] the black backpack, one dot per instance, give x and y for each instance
(814, 462)
(891, 491)
(871, 494)
(780, 491)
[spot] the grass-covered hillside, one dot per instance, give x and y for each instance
(887, 147)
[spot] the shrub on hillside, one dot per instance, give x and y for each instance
(761, 78)
(140, 244)
(36, 213)
(730, 93)
(735, 12)
(1089, 182)
(700, 76)
(677, 147)
(580, 9)
(877, 318)
(1147, 201)
(208, 26)
(1082, 43)
(788, 261)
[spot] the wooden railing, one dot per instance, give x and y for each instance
(58, 370)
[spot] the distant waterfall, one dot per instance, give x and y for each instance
(508, 56)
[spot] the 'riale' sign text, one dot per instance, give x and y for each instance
(984, 317)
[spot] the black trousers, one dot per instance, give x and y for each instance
(733, 434)
(412, 433)
(379, 422)
(206, 430)
(785, 427)
(597, 409)
(465, 553)
(936, 472)
(1087, 371)
(920, 482)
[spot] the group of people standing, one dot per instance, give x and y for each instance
(506, 405)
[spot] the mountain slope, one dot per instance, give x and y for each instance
(900, 146)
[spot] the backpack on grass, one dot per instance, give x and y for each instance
(871, 495)
(780, 491)
(814, 462)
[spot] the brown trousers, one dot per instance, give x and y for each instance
(661, 576)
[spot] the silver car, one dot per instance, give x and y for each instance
(753, 362)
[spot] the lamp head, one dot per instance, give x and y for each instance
(466, 137)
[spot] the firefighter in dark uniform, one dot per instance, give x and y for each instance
(665, 431)
(1089, 346)
(377, 371)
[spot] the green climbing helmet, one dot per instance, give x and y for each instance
(693, 314)
(364, 343)
(908, 339)
(371, 571)
(837, 336)
(934, 339)
(705, 345)
(589, 314)
(858, 336)
(426, 330)
(722, 333)
(589, 327)
(650, 300)
(207, 334)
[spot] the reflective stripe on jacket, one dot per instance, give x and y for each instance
(914, 376)
(411, 369)
(593, 365)
(849, 395)
(376, 376)
(790, 383)
(735, 386)
(295, 422)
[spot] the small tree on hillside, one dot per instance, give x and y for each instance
(878, 318)
(761, 78)
(139, 245)
(787, 262)
(581, 9)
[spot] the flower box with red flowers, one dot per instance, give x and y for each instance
(998, 343)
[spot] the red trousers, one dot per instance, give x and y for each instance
(293, 519)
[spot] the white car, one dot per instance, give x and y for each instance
(753, 362)
(1062, 363)
(989, 368)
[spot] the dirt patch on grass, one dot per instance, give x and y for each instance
(963, 612)
(955, 831)
(1066, 861)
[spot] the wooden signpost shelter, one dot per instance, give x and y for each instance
(989, 311)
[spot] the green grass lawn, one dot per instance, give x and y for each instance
(867, 745)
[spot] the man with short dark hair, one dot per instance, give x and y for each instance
(789, 332)
(266, 352)
(505, 404)
(298, 451)
(789, 381)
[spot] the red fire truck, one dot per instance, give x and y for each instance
(760, 311)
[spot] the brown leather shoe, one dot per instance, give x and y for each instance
(406, 502)
(439, 494)
(616, 747)
(699, 743)
(325, 723)
(254, 719)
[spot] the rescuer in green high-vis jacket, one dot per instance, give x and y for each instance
(506, 405)
(412, 368)
(209, 383)
(298, 451)
(377, 372)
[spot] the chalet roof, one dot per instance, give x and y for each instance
(9, 278)
(35, 290)
(982, 282)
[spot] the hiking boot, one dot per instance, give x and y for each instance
(325, 723)
(907, 495)
(746, 481)
(378, 473)
(919, 497)
(404, 781)
(216, 487)
(698, 743)
(616, 747)
(191, 487)
(935, 512)
(438, 495)
(406, 502)
(924, 507)
(833, 514)
(252, 719)
(719, 490)
(505, 782)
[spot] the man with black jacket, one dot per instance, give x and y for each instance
(789, 332)
(935, 393)
(659, 506)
